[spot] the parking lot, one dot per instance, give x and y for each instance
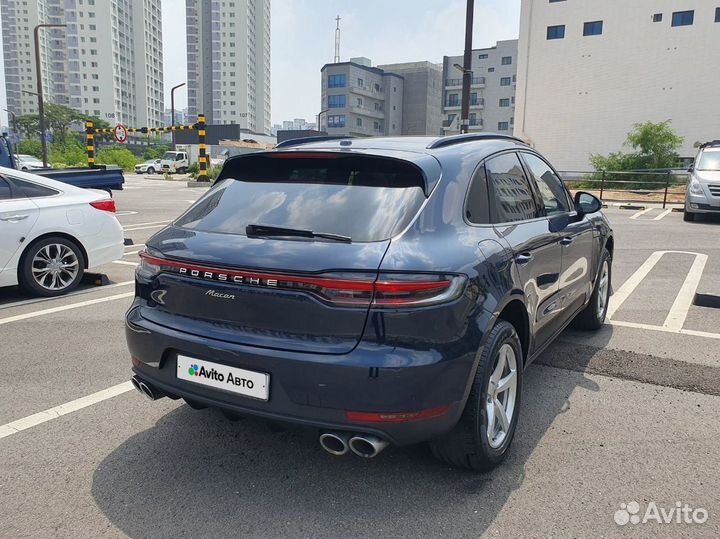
(630, 413)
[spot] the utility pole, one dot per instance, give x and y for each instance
(319, 130)
(467, 69)
(172, 111)
(337, 40)
(38, 72)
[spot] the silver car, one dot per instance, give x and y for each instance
(703, 193)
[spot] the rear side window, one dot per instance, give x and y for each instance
(33, 190)
(366, 198)
(510, 192)
(477, 207)
(550, 187)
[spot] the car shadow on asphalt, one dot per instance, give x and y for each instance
(197, 474)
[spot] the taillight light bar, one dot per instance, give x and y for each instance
(395, 417)
(390, 290)
(104, 205)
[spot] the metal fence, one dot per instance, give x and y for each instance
(630, 184)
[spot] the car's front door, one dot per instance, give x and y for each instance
(17, 217)
(577, 238)
(517, 216)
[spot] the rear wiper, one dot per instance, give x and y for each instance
(267, 230)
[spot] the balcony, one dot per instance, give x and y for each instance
(368, 91)
(452, 104)
(476, 82)
(367, 111)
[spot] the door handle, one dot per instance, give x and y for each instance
(523, 258)
(567, 240)
(14, 218)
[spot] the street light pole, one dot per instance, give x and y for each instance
(172, 110)
(38, 72)
(318, 119)
(467, 68)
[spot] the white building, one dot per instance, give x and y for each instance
(228, 55)
(590, 69)
(492, 89)
(107, 62)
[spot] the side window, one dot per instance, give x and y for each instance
(477, 207)
(550, 187)
(510, 192)
(5, 192)
(32, 190)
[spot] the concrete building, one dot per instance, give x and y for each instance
(360, 100)
(589, 70)
(228, 56)
(298, 124)
(422, 96)
(492, 92)
(107, 62)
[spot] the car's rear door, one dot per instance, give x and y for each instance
(517, 216)
(18, 215)
(577, 239)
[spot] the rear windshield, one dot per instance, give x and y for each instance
(366, 198)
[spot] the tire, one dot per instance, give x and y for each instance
(67, 259)
(151, 170)
(469, 444)
(688, 217)
(592, 317)
(182, 170)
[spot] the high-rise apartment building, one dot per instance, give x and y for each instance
(589, 70)
(492, 89)
(106, 62)
(228, 56)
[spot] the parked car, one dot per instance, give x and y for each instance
(703, 191)
(380, 290)
(51, 232)
(28, 162)
(175, 162)
(149, 167)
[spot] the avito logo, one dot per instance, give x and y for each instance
(212, 374)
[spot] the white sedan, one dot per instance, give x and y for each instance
(51, 232)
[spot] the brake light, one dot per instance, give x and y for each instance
(395, 417)
(104, 205)
(390, 290)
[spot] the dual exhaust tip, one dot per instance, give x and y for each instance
(335, 442)
(363, 445)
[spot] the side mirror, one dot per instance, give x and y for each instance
(691, 168)
(586, 203)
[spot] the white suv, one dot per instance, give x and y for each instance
(703, 193)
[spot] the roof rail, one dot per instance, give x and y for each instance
(308, 140)
(469, 137)
(711, 143)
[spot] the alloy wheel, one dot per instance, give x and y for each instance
(55, 266)
(603, 286)
(501, 396)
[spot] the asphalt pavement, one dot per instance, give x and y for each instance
(630, 413)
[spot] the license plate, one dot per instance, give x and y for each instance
(243, 382)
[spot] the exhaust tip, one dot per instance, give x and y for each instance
(367, 446)
(334, 443)
(136, 384)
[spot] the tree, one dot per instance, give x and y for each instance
(58, 119)
(655, 146)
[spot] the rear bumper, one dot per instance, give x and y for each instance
(106, 246)
(313, 390)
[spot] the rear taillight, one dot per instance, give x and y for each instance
(395, 417)
(104, 205)
(389, 290)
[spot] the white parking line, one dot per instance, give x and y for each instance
(151, 224)
(124, 263)
(61, 308)
(70, 295)
(641, 212)
(622, 293)
(679, 310)
(663, 214)
(663, 329)
(127, 253)
(58, 411)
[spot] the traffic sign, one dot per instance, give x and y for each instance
(121, 134)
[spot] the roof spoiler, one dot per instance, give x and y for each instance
(308, 140)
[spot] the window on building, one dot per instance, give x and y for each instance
(505, 102)
(505, 81)
(593, 28)
(337, 81)
(336, 101)
(683, 18)
(337, 120)
(506, 60)
(358, 122)
(503, 126)
(361, 83)
(376, 126)
(482, 57)
(657, 17)
(717, 14)
(453, 100)
(491, 70)
(378, 108)
(556, 32)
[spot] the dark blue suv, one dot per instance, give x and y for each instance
(381, 290)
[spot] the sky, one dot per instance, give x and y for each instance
(303, 40)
